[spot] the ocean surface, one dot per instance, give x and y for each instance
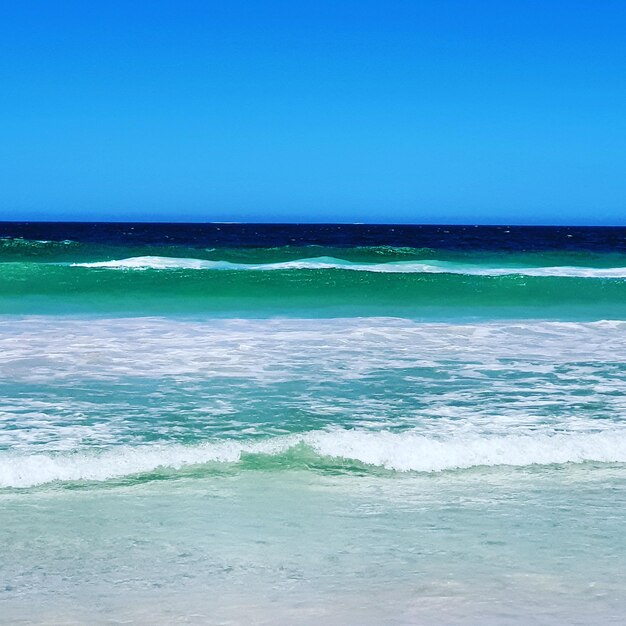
(312, 424)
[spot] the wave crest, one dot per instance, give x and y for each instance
(402, 452)
(325, 263)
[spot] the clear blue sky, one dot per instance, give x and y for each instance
(470, 111)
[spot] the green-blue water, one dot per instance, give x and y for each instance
(371, 430)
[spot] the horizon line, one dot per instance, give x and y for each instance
(280, 223)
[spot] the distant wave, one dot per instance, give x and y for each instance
(327, 263)
(20, 242)
(403, 452)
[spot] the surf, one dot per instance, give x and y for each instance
(396, 452)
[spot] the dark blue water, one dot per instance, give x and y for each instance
(449, 237)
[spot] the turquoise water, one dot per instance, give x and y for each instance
(309, 281)
(311, 434)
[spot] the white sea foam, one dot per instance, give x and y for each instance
(70, 384)
(396, 267)
(408, 451)
(44, 349)
(412, 451)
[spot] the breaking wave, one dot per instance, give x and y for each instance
(401, 452)
(327, 263)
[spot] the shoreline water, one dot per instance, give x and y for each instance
(299, 548)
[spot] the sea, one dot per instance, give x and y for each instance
(312, 424)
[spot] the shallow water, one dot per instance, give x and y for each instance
(302, 546)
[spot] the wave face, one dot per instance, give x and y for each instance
(317, 286)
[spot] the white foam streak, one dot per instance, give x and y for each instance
(399, 267)
(407, 451)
